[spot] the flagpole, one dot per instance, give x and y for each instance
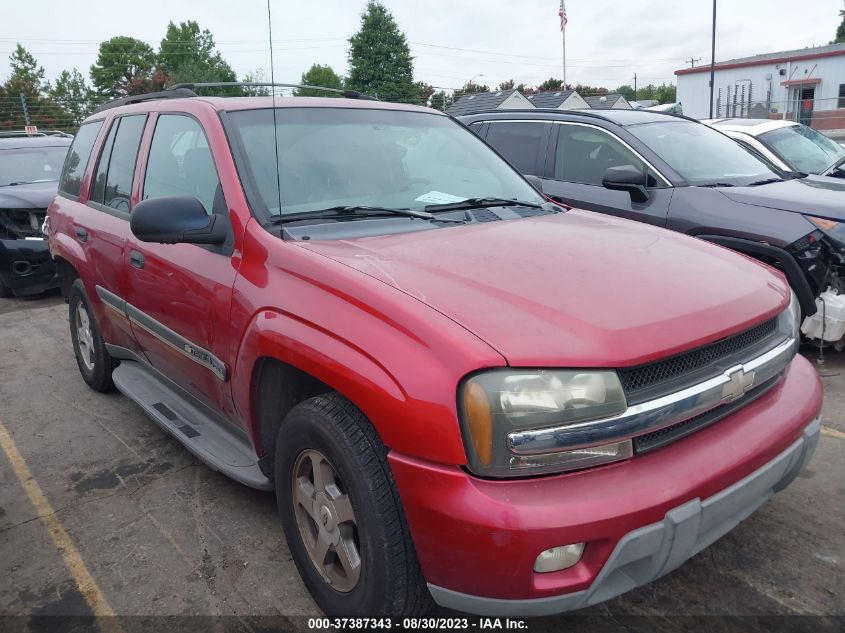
(563, 31)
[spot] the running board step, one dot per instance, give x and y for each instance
(207, 438)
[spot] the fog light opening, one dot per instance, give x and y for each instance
(558, 558)
(21, 267)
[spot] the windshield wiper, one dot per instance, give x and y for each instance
(718, 184)
(837, 163)
(481, 203)
(765, 181)
(343, 211)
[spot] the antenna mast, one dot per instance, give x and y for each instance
(273, 97)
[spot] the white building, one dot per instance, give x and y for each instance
(558, 99)
(806, 84)
(484, 101)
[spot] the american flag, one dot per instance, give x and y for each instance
(562, 13)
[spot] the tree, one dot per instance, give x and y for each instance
(441, 100)
(506, 85)
(380, 61)
(470, 88)
(255, 91)
(27, 77)
(840, 30)
(626, 91)
(323, 76)
(187, 55)
(666, 93)
(424, 91)
(74, 96)
(551, 84)
(124, 66)
(586, 91)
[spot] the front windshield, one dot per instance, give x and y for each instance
(331, 157)
(701, 155)
(803, 148)
(31, 164)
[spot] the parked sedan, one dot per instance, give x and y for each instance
(789, 145)
(680, 174)
(29, 173)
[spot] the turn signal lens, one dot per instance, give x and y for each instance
(479, 421)
(823, 223)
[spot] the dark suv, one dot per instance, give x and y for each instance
(680, 174)
(29, 173)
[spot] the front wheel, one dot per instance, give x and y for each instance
(93, 360)
(341, 514)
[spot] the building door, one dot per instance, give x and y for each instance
(805, 105)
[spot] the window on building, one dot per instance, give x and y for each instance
(841, 103)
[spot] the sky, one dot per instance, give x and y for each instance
(452, 41)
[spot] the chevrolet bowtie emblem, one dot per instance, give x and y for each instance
(739, 381)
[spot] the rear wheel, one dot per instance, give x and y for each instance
(341, 514)
(93, 360)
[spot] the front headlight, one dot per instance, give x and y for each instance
(495, 403)
(793, 314)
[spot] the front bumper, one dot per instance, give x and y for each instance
(649, 552)
(26, 267)
(477, 540)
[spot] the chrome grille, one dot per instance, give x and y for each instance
(640, 382)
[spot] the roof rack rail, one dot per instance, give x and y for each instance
(177, 93)
(349, 94)
(23, 133)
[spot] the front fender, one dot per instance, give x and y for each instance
(417, 419)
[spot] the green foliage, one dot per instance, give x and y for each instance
(424, 92)
(470, 88)
(73, 95)
(124, 66)
(840, 30)
(27, 76)
(187, 55)
(551, 84)
(587, 91)
(256, 91)
(507, 85)
(380, 61)
(666, 93)
(627, 92)
(322, 76)
(441, 100)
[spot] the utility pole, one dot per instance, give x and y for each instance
(692, 61)
(25, 111)
(712, 59)
(635, 86)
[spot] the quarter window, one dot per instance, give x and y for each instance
(584, 154)
(180, 162)
(519, 142)
(77, 158)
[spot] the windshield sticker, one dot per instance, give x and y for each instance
(438, 197)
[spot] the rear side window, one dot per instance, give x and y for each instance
(519, 142)
(115, 171)
(77, 158)
(180, 162)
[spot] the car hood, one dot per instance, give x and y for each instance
(814, 195)
(574, 288)
(36, 195)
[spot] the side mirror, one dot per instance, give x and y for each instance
(534, 181)
(626, 178)
(176, 220)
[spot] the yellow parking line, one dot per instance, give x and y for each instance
(73, 561)
(839, 435)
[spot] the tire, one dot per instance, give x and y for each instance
(5, 291)
(357, 480)
(93, 360)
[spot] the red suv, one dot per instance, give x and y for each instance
(457, 389)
